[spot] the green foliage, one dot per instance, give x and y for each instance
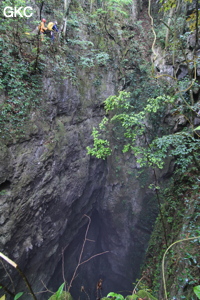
(59, 291)
(113, 5)
(169, 4)
(182, 146)
(140, 294)
(132, 297)
(101, 147)
(115, 296)
(197, 128)
(197, 291)
(135, 132)
(63, 296)
(145, 294)
(20, 93)
(102, 58)
(180, 209)
(163, 261)
(119, 102)
(18, 295)
(20, 81)
(192, 20)
(93, 59)
(13, 27)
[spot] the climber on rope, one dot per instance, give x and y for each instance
(42, 28)
(51, 29)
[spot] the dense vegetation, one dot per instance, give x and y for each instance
(156, 136)
(153, 116)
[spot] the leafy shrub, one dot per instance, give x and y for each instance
(63, 296)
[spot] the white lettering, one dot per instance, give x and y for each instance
(10, 11)
(17, 11)
(30, 8)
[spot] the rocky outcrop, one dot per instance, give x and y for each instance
(48, 184)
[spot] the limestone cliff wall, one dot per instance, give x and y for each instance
(48, 183)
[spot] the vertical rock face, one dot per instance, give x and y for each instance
(48, 184)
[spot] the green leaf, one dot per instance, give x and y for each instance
(117, 296)
(197, 291)
(145, 294)
(198, 128)
(18, 295)
(132, 297)
(59, 291)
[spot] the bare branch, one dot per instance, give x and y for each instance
(8, 275)
(81, 254)
(93, 257)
